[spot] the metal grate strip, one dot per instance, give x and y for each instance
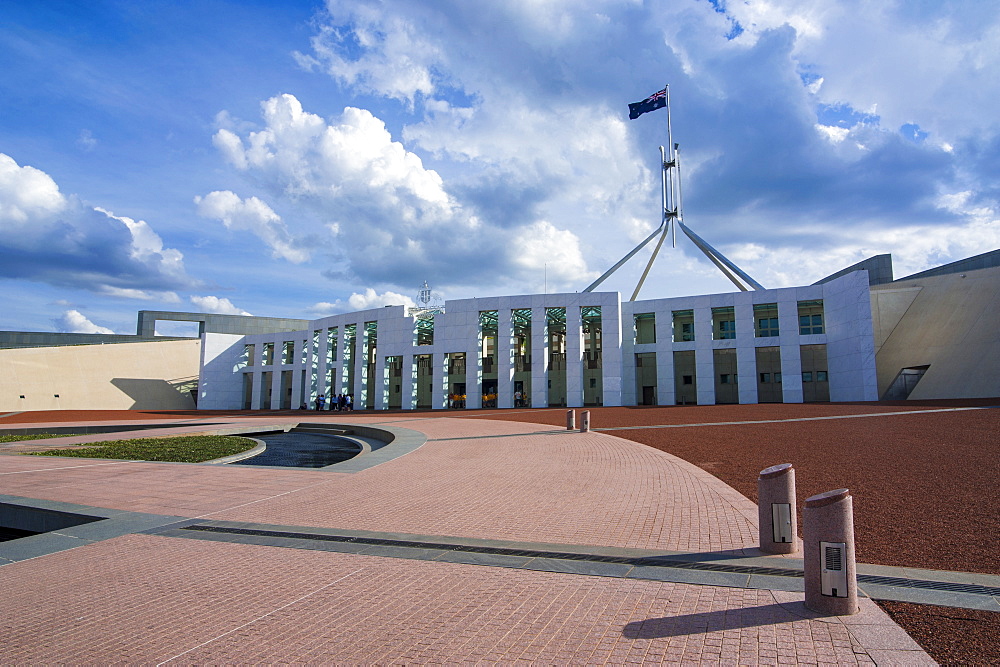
(654, 561)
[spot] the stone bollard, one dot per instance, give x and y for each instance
(570, 420)
(776, 510)
(585, 421)
(828, 553)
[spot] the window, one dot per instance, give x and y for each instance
(821, 376)
(593, 382)
(267, 356)
(765, 377)
(683, 325)
(766, 317)
(724, 378)
(807, 376)
(777, 377)
(723, 323)
(645, 328)
(288, 352)
(810, 318)
(687, 379)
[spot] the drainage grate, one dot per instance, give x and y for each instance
(649, 561)
(974, 589)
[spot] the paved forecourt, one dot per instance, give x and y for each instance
(516, 494)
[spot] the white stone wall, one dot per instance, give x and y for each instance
(848, 336)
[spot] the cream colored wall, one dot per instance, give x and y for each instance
(951, 323)
(125, 376)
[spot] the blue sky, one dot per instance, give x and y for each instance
(300, 159)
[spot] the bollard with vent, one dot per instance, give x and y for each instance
(570, 420)
(585, 421)
(776, 510)
(828, 553)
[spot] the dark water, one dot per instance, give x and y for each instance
(7, 534)
(302, 450)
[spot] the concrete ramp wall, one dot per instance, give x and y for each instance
(127, 376)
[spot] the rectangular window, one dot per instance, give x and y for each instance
(765, 316)
(810, 318)
(807, 376)
(777, 377)
(288, 352)
(423, 328)
(267, 356)
(723, 323)
(765, 377)
(683, 325)
(724, 378)
(688, 379)
(645, 328)
(821, 376)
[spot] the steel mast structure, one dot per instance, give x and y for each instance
(672, 210)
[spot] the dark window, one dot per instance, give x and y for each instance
(765, 377)
(688, 379)
(807, 376)
(821, 376)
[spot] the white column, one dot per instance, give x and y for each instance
(574, 357)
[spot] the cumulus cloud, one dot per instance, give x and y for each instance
(387, 217)
(214, 304)
(363, 301)
(253, 215)
(73, 321)
(48, 237)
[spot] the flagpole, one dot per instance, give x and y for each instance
(668, 204)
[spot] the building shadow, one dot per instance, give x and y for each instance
(155, 394)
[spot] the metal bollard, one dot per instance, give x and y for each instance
(585, 421)
(570, 420)
(776, 510)
(828, 553)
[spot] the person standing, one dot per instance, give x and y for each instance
(320, 402)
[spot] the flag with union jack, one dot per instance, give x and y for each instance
(657, 100)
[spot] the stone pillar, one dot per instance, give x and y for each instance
(828, 553)
(570, 420)
(776, 510)
(585, 421)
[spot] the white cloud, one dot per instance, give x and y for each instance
(48, 237)
(86, 141)
(389, 218)
(139, 294)
(73, 321)
(214, 304)
(255, 216)
(26, 193)
(363, 301)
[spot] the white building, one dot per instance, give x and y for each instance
(797, 344)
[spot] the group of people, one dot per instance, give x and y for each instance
(340, 402)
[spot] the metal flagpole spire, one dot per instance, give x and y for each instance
(672, 215)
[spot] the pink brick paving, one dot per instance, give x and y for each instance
(148, 599)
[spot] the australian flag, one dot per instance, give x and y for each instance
(655, 101)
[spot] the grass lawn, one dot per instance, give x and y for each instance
(34, 436)
(185, 449)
